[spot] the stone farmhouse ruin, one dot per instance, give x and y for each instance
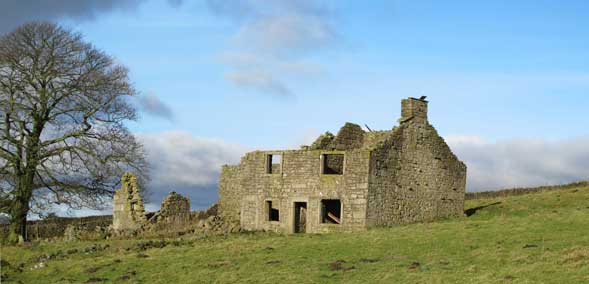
(351, 181)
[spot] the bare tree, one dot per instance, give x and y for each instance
(63, 105)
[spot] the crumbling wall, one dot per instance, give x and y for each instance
(128, 210)
(173, 216)
(230, 193)
(323, 142)
(414, 176)
(405, 175)
(349, 137)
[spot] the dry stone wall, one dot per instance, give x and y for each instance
(55, 227)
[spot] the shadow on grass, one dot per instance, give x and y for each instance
(471, 211)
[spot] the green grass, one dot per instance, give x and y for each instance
(536, 238)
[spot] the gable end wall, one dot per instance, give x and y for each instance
(414, 177)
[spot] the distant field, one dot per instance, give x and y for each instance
(535, 238)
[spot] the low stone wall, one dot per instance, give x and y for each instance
(55, 227)
(523, 190)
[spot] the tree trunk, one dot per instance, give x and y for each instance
(20, 209)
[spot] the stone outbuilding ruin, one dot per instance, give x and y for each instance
(129, 216)
(128, 210)
(174, 214)
(350, 181)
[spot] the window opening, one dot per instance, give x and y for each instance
(331, 211)
(273, 163)
(273, 213)
(333, 164)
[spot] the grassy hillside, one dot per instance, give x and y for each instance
(535, 238)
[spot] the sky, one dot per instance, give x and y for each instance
(507, 81)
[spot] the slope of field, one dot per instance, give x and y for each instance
(534, 238)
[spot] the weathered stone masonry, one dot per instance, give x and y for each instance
(128, 210)
(130, 218)
(350, 181)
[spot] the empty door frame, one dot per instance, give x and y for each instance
(298, 218)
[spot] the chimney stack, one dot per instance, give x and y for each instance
(414, 110)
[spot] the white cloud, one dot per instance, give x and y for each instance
(188, 165)
(273, 40)
(258, 80)
(464, 139)
(521, 162)
(280, 35)
(178, 158)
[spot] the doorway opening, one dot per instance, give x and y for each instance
(300, 217)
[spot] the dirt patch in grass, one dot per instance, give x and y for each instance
(576, 256)
(127, 275)
(336, 265)
(142, 255)
(92, 269)
(340, 265)
(270, 262)
(414, 266)
(369, 260)
(96, 280)
(219, 264)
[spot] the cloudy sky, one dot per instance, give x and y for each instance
(507, 81)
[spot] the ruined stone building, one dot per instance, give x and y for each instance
(128, 210)
(129, 216)
(351, 181)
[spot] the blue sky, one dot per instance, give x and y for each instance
(231, 76)
(497, 70)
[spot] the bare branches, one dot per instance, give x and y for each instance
(63, 105)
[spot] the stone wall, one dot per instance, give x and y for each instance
(414, 176)
(130, 218)
(350, 136)
(173, 216)
(230, 192)
(323, 142)
(523, 190)
(55, 227)
(244, 190)
(128, 210)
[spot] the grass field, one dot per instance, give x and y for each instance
(535, 238)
